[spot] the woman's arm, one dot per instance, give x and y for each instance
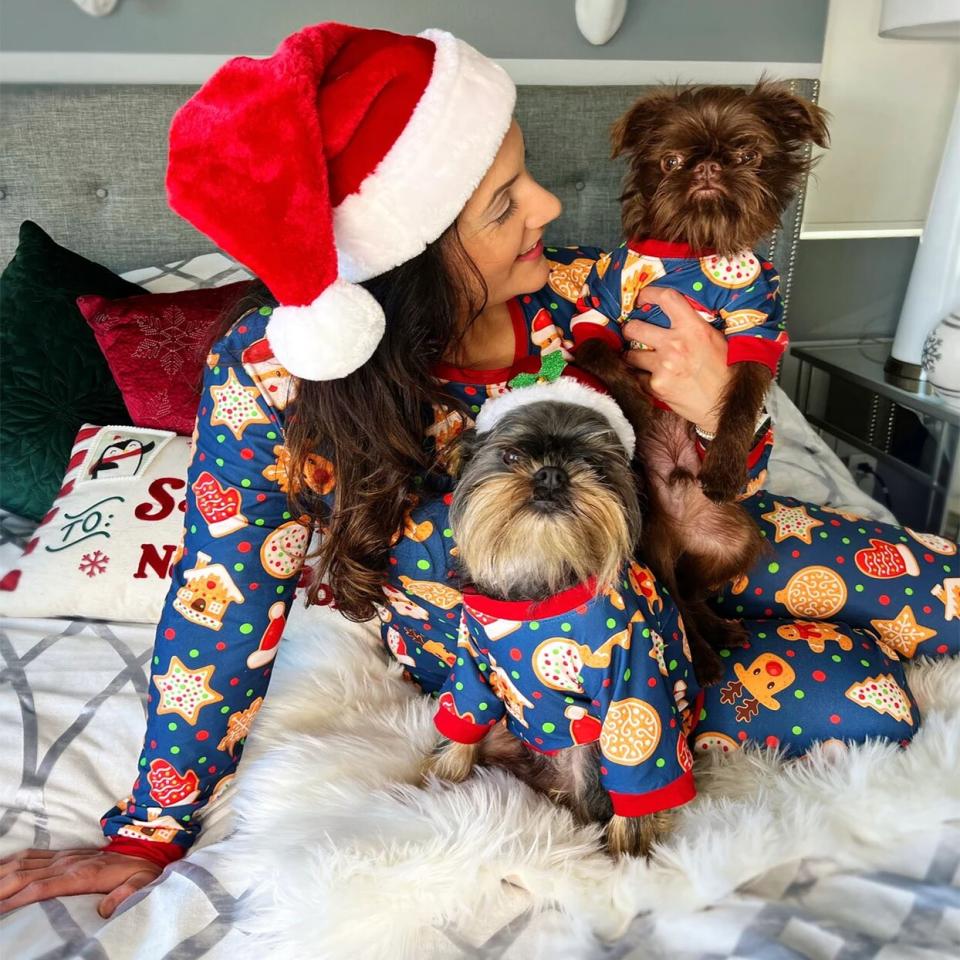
(225, 609)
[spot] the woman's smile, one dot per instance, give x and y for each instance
(532, 252)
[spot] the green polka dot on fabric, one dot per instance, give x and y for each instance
(566, 627)
(221, 438)
(904, 540)
(474, 408)
(739, 608)
(250, 693)
(185, 817)
(423, 564)
(514, 674)
(286, 514)
(246, 628)
(554, 306)
(548, 727)
(568, 699)
(626, 675)
(698, 286)
(661, 762)
(174, 750)
(280, 589)
(447, 532)
(703, 715)
(946, 568)
(761, 636)
(459, 661)
(194, 652)
(201, 760)
(220, 461)
(143, 761)
(672, 664)
(171, 726)
(156, 660)
(858, 587)
(259, 521)
(271, 434)
(861, 529)
(238, 568)
(611, 623)
(245, 482)
(534, 624)
(193, 528)
(864, 663)
(458, 685)
(724, 653)
(773, 567)
(908, 591)
(224, 709)
(824, 535)
(645, 632)
(796, 731)
(799, 694)
(266, 311)
(482, 705)
(482, 667)
(845, 541)
(216, 369)
(836, 658)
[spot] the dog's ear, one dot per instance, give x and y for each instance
(633, 131)
(794, 120)
(464, 447)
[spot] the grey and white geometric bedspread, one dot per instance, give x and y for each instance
(71, 725)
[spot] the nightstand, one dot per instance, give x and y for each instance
(913, 439)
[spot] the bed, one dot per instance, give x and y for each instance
(819, 860)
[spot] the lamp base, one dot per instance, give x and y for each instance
(907, 376)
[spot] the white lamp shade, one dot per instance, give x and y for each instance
(920, 19)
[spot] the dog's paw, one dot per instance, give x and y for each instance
(635, 836)
(451, 761)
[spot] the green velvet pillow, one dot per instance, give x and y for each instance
(53, 377)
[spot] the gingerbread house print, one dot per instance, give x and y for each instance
(209, 590)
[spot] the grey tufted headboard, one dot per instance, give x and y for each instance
(87, 164)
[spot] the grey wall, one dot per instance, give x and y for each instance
(768, 30)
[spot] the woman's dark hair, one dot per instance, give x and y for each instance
(371, 425)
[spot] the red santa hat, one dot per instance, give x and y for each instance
(334, 160)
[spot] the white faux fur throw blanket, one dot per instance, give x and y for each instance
(352, 857)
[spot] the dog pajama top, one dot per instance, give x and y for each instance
(241, 555)
(739, 295)
(578, 668)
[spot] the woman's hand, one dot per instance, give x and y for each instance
(686, 366)
(33, 875)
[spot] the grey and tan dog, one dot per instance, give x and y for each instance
(546, 499)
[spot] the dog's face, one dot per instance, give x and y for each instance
(544, 501)
(714, 167)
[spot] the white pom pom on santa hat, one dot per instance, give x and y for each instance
(329, 338)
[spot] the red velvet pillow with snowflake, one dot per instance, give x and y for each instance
(156, 345)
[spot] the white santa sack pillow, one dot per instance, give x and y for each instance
(105, 548)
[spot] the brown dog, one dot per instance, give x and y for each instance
(715, 167)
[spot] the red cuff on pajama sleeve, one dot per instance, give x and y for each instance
(459, 728)
(675, 794)
(152, 850)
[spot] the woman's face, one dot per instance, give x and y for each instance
(502, 224)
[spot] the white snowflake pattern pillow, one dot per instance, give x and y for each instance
(106, 547)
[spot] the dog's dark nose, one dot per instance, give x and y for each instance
(548, 481)
(707, 170)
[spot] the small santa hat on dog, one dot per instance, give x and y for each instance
(570, 389)
(330, 162)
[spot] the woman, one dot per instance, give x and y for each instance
(401, 151)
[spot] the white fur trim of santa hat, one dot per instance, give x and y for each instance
(329, 338)
(561, 390)
(419, 188)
